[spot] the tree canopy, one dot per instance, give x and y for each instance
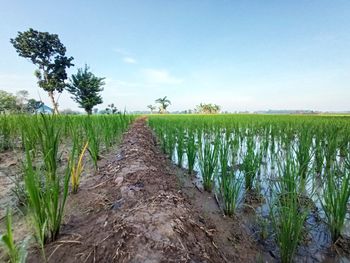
(46, 51)
(164, 104)
(85, 88)
(208, 108)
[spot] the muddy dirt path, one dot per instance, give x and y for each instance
(140, 208)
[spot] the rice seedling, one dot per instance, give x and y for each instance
(286, 214)
(335, 198)
(191, 149)
(208, 159)
(16, 253)
(94, 141)
(77, 169)
(251, 163)
(229, 185)
(47, 193)
(48, 135)
(180, 142)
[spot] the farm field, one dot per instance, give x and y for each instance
(291, 172)
(256, 188)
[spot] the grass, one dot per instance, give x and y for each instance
(335, 198)
(208, 159)
(286, 213)
(77, 169)
(15, 253)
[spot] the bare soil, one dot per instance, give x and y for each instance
(140, 208)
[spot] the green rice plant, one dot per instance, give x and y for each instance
(191, 149)
(170, 142)
(330, 150)
(229, 186)
(208, 159)
(234, 149)
(180, 149)
(16, 253)
(335, 198)
(286, 214)
(48, 134)
(319, 155)
(77, 169)
(302, 151)
(47, 194)
(287, 222)
(251, 163)
(94, 141)
(5, 133)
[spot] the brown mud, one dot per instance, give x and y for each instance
(141, 208)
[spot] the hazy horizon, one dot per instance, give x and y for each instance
(241, 55)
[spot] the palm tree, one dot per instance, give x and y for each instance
(164, 103)
(152, 108)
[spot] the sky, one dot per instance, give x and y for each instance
(243, 55)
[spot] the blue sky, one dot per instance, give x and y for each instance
(242, 55)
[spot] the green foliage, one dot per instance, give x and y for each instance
(85, 88)
(33, 105)
(7, 102)
(46, 51)
(208, 159)
(16, 253)
(251, 163)
(164, 104)
(208, 108)
(286, 213)
(230, 186)
(335, 198)
(191, 149)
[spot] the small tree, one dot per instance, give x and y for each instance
(33, 105)
(111, 109)
(85, 88)
(152, 108)
(8, 102)
(164, 103)
(46, 51)
(208, 108)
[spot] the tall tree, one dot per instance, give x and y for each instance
(164, 103)
(151, 107)
(85, 88)
(46, 51)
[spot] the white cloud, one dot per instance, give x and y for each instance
(129, 60)
(160, 76)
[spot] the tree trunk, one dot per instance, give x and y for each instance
(54, 103)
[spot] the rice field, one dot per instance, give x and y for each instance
(292, 171)
(52, 151)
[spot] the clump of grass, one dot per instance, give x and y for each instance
(180, 146)
(94, 141)
(77, 169)
(336, 193)
(251, 163)
(229, 185)
(47, 193)
(48, 138)
(191, 150)
(208, 159)
(16, 253)
(286, 215)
